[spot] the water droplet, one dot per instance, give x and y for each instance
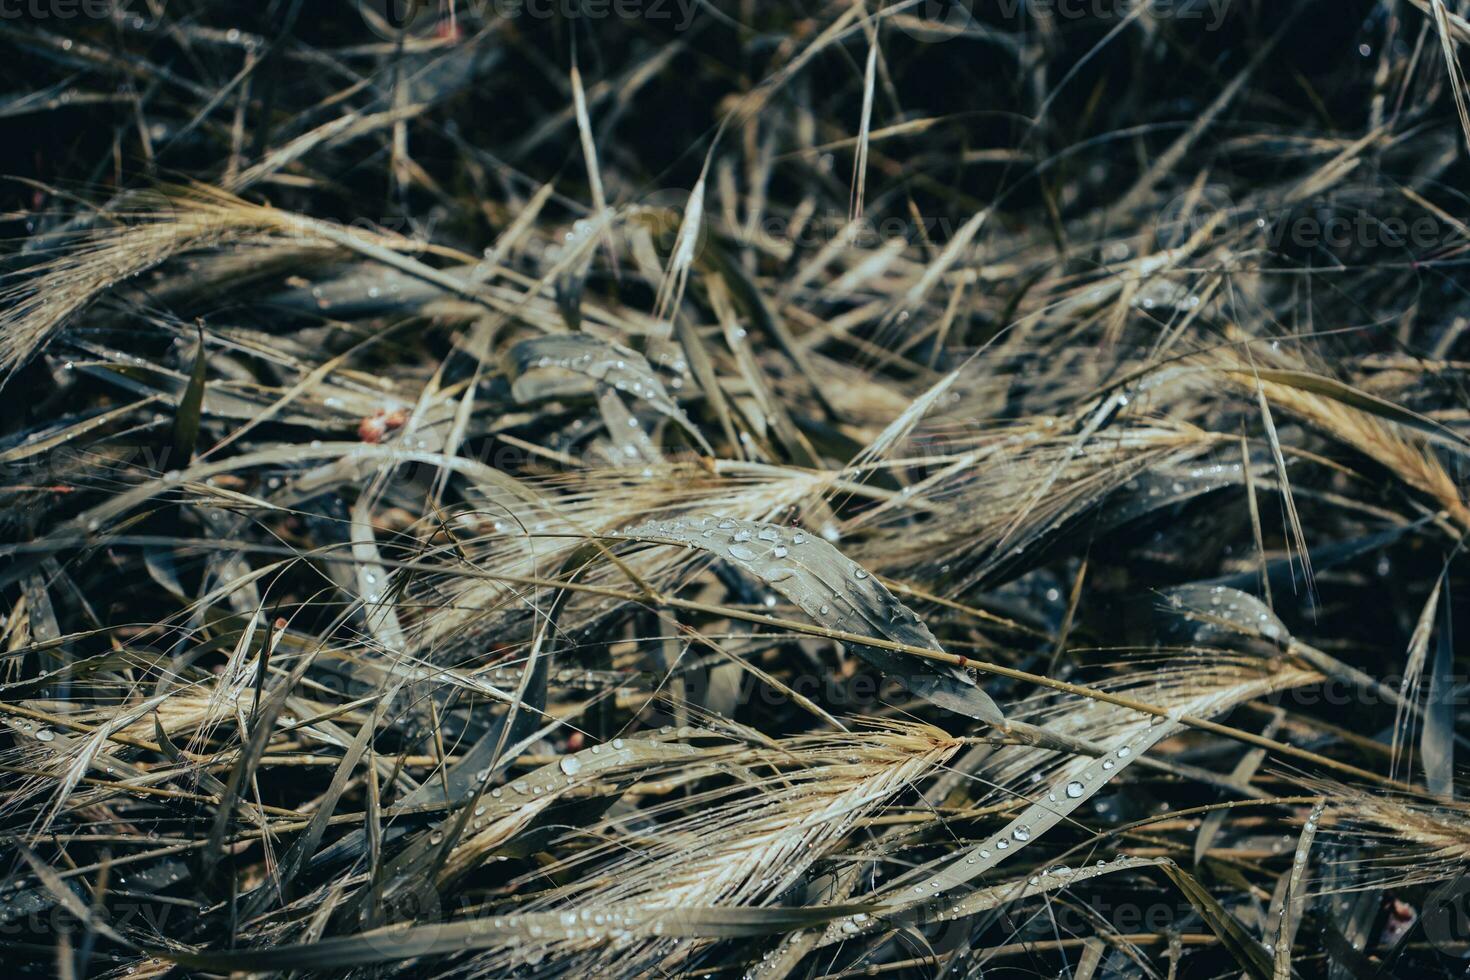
(571, 765)
(1074, 789)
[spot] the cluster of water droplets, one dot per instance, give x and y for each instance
(1156, 489)
(550, 780)
(612, 370)
(620, 368)
(25, 727)
(771, 552)
(1074, 786)
(836, 592)
(1207, 612)
(41, 616)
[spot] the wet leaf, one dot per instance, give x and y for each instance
(191, 405)
(835, 592)
(562, 364)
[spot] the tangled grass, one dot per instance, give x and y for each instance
(768, 490)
